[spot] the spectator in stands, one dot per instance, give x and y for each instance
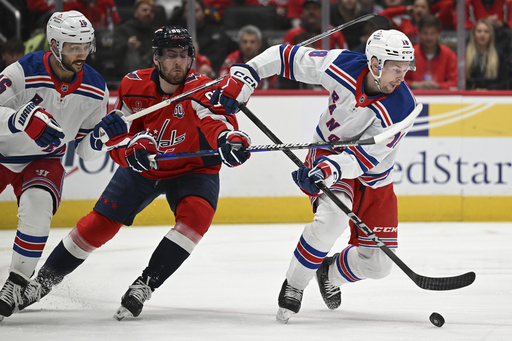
(343, 11)
(499, 12)
(249, 46)
(132, 41)
(101, 13)
(406, 18)
(203, 64)
(294, 11)
(312, 24)
(280, 6)
(12, 51)
(368, 28)
(444, 11)
(211, 38)
(436, 64)
(371, 6)
(486, 67)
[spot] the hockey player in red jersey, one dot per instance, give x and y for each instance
(191, 185)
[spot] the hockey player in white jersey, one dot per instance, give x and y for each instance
(367, 94)
(48, 99)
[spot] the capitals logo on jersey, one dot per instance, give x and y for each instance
(163, 145)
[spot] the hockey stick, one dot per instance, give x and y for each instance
(377, 19)
(427, 283)
(386, 134)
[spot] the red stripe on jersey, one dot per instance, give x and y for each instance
(362, 158)
(92, 89)
(286, 60)
(343, 75)
(383, 113)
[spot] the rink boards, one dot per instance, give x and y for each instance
(455, 165)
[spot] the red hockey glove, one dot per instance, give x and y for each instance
(141, 146)
(38, 124)
(237, 88)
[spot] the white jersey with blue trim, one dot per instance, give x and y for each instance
(77, 107)
(350, 113)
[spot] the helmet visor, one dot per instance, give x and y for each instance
(78, 48)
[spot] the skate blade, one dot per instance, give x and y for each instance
(121, 313)
(283, 315)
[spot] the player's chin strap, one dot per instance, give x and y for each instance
(59, 59)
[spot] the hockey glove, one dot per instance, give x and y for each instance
(38, 124)
(237, 88)
(141, 146)
(325, 170)
(111, 130)
(232, 146)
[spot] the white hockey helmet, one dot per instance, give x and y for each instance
(389, 45)
(69, 27)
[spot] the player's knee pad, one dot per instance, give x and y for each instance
(194, 216)
(374, 263)
(196, 213)
(329, 221)
(96, 229)
(35, 212)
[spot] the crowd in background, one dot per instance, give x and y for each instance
(234, 31)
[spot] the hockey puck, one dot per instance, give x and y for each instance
(436, 319)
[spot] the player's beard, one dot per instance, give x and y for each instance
(169, 75)
(72, 66)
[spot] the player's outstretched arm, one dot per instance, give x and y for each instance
(237, 88)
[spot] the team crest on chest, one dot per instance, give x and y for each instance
(361, 100)
(64, 87)
(179, 112)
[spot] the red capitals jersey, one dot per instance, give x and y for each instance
(187, 125)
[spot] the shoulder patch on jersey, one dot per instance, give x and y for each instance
(133, 75)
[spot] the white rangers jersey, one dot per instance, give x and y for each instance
(77, 107)
(350, 114)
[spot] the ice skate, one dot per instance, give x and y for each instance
(330, 293)
(11, 293)
(289, 302)
(34, 291)
(133, 300)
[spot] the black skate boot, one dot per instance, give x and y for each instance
(133, 300)
(11, 293)
(34, 291)
(289, 302)
(330, 293)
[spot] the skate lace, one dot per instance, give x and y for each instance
(140, 291)
(11, 294)
(330, 290)
(32, 293)
(291, 292)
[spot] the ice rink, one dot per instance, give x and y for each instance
(227, 289)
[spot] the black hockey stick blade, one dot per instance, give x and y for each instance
(444, 283)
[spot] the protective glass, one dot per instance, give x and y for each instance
(78, 48)
(173, 53)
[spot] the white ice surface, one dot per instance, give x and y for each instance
(227, 289)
